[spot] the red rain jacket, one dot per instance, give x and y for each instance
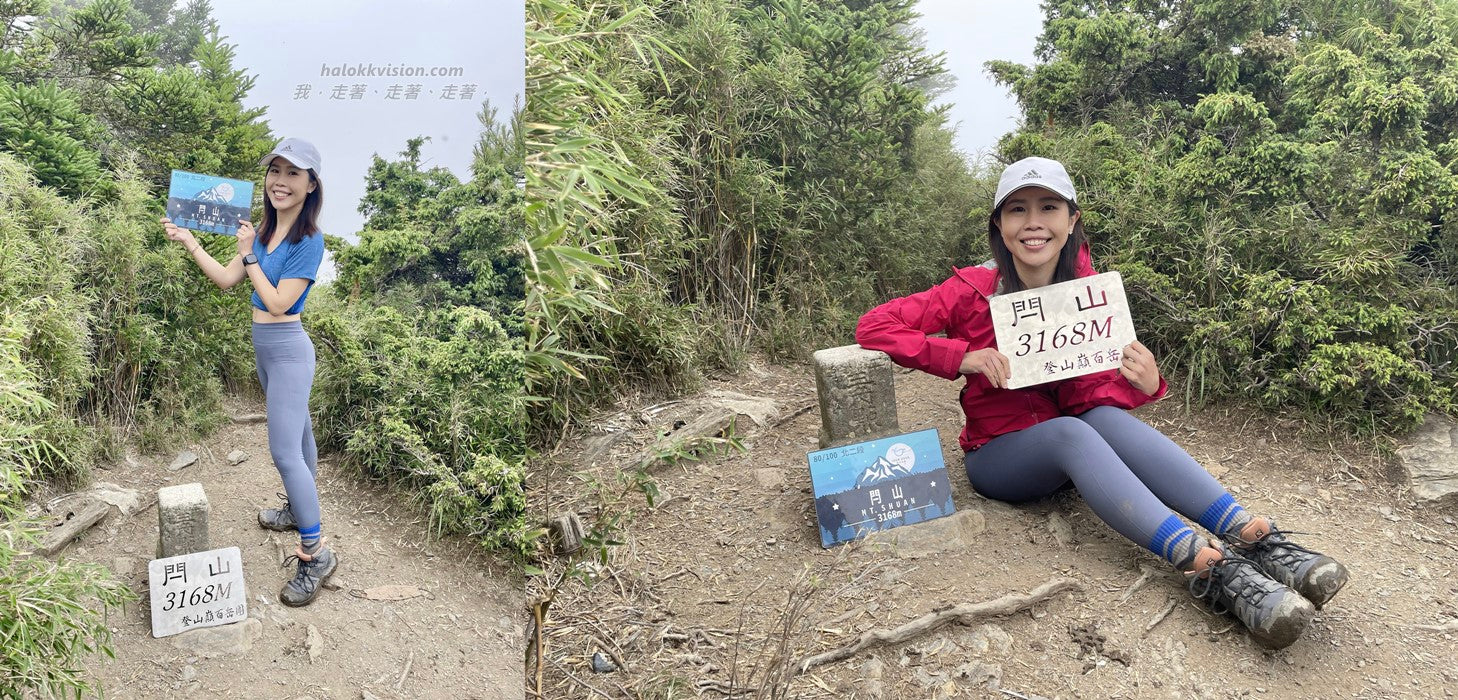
(901, 328)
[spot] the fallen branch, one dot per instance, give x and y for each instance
(1160, 617)
(964, 614)
(406, 673)
(1138, 583)
(1449, 626)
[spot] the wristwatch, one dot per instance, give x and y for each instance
(250, 259)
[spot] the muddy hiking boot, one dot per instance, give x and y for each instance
(1314, 575)
(309, 578)
(1275, 614)
(281, 519)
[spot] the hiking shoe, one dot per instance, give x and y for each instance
(1314, 575)
(281, 519)
(1275, 615)
(309, 578)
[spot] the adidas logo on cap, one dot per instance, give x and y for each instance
(1031, 174)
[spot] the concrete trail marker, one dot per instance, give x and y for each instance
(193, 591)
(1063, 330)
(857, 395)
(182, 520)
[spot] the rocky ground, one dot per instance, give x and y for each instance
(722, 585)
(406, 615)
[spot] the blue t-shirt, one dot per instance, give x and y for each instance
(290, 261)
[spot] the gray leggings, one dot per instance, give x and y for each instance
(1130, 474)
(285, 358)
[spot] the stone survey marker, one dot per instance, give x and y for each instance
(857, 395)
(1063, 330)
(192, 591)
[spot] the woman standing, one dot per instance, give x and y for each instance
(281, 260)
(1023, 444)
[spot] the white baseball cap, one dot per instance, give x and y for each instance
(296, 151)
(1035, 172)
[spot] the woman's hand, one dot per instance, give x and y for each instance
(246, 234)
(989, 363)
(181, 235)
(1139, 367)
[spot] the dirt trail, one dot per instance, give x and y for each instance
(701, 595)
(462, 639)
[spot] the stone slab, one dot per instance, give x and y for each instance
(1430, 459)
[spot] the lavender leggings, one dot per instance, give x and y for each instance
(1129, 473)
(285, 358)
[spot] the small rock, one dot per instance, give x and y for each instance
(189, 673)
(237, 457)
(981, 673)
(184, 459)
(122, 566)
(226, 640)
(769, 477)
(126, 500)
(1062, 532)
(314, 643)
(602, 664)
(954, 533)
(871, 673)
(929, 680)
(989, 638)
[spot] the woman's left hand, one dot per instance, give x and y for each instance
(246, 234)
(1139, 367)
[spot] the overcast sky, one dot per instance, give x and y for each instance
(288, 44)
(972, 32)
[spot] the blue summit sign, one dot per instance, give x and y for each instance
(208, 203)
(879, 484)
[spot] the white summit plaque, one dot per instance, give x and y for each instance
(1063, 330)
(202, 589)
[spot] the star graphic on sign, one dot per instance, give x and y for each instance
(932, 484)
(835, 506)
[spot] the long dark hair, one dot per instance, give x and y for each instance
(308, 222)
(1067, 258)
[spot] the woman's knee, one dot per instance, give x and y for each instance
(1069, 431)
(1099, 411)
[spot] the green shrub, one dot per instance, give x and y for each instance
(52, 615)
(433, 402)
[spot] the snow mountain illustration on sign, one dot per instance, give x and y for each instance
(882, 470)
(221, 192)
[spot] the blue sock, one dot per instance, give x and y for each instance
(309, 537)
(1176, 542)
(1224, 516)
